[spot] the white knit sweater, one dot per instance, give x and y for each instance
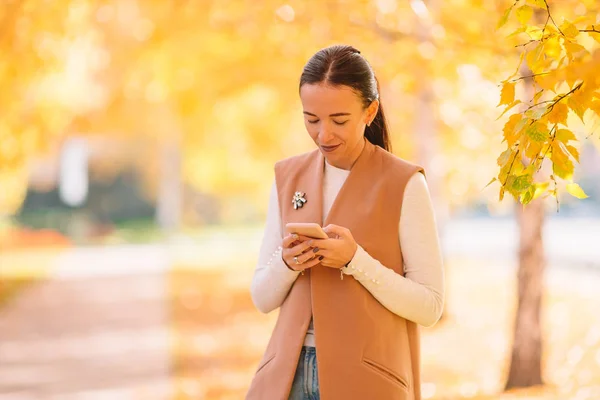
(418, 297)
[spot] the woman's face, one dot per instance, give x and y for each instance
(335, 120)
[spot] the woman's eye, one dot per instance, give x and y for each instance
(340, 123)
(313, 122)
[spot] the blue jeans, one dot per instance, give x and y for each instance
(306, 380)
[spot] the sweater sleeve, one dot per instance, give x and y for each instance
(418, 297)
(272, 279)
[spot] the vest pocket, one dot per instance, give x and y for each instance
(265, 362)
(385, 372)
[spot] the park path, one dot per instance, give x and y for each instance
(88, 335)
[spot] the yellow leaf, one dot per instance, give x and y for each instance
(565, 173)
(595, 107)
(520, 29)
(534, 32)
(564, 135)
(524, 14)
(595, 35)
(518, 65)
(576, 191)
(559, 114)
(546, 81)
(504, 18)
(492, 181)
(561, 164)
(507, 94)
(536, 113)
(533, 148)
(537, 3)
(552, 48)
(574, 152)
(510, 131)
(569, 29)
(577, 107)
(540, 188)
(573, 49)
(508, 107)
(533, 58)
(504, 157)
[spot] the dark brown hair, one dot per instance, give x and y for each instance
(344, 65)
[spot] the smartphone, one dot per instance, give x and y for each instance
(310, 229)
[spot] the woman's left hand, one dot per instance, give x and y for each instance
(339, 249)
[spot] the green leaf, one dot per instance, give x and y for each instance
(527, 196)
(537, 132)
(521, 183)
(576, 191)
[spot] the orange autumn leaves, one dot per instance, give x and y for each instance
(563, 59)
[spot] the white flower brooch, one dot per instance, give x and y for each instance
(298, 200)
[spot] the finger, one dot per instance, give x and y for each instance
(288, 241)
(309, 255)
(301, 247)
(312, 262)
(324, 252)
(301, 251)
(322, 243)
(334, 230)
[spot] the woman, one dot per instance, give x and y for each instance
(354, 337)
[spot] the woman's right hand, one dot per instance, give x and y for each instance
(300, 246)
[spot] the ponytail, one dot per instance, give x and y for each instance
(378, 132)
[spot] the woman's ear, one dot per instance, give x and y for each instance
(372, 111)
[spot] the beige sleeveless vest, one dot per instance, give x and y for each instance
(363, 350)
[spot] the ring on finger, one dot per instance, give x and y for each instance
(296, 260)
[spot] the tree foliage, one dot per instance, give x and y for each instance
(564, 59)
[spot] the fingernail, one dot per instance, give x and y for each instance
(321, 257)
(315, 249)
(295, 235)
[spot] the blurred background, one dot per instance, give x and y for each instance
(137, 143)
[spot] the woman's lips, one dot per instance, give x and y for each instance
(330, 148)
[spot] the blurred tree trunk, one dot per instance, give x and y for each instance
(526, 357)
(169, 202)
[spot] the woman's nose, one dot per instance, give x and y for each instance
(325, 133)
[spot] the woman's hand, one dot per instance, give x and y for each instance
(298, 245)
(339, 249)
